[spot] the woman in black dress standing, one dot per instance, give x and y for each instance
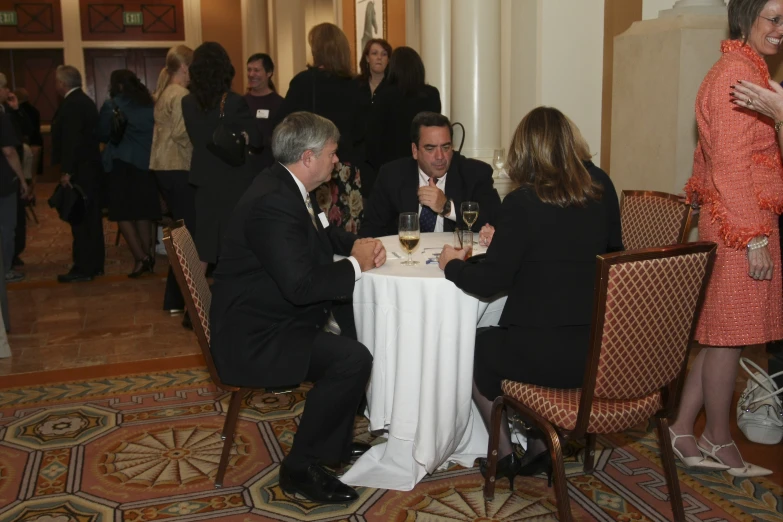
(327, 88)
(218, 184)
(543, 254)
(404, 95)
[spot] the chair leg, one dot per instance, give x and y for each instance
(229, 426)
(670, 468)
(589, 453)
(492, 450)
(558, 469)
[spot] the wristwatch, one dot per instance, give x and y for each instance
(446, 209)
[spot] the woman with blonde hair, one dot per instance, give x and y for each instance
(543, 255)
(172, 150)
(327, 88)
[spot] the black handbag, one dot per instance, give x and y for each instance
(119, 122)
(226, 144)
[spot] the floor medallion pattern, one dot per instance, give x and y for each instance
(145, 448)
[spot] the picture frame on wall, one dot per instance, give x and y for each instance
(370, 23)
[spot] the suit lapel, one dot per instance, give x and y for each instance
(409, 189)
(282, 173)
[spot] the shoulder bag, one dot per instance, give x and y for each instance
(226, 144)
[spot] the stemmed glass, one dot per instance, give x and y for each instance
(409, 235)
(499, 159)
(470, 212)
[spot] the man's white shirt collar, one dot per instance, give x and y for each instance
(69, 92)
(302, 189)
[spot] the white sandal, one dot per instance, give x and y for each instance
(747, 470)
(699, 462)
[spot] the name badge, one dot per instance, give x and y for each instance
(324, 221)
(262, 113)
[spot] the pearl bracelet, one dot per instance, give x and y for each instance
(778, 125)
(758, 244)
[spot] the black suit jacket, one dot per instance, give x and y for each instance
(205, 167)
(544, 257)
(396, 191)
(74, 140)
(275, 284)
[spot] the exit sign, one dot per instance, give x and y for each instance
(8, 18)
(132, 18)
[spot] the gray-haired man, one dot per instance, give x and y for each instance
(276, 284)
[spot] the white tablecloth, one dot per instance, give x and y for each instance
(421, 330)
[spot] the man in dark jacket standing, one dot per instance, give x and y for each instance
(75, 148)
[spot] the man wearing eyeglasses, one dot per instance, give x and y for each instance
(434, 182)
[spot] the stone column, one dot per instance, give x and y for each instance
(475, 79)
(435, 42)
(288, 39)
(255, 28)
(659, 65)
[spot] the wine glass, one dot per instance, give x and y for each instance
(499, 159)
(463, 238)
(470, 212)
(409, 235)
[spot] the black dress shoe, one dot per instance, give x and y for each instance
(316, 484)
(358, 449)
(74, 277)
(507, 467)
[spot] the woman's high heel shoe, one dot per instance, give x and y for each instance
(541, 463)
(507, 467)
(146, 266)
(747, 470)
(700, 462)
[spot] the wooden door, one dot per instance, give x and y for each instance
(99, 64)
(34, 69)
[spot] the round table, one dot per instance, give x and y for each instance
(421, 331)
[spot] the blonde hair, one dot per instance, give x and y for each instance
(177, 56)
(330, 49)
(581, 147)
(544, 155)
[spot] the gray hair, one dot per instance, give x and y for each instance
(69, 75)
(301, 131)
(3, 81)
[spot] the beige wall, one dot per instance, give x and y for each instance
(571, 58)
(221, 22)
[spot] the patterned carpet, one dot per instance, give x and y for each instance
(146, 447)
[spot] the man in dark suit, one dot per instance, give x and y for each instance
(75, 148)
(275, 287)
(433, 183)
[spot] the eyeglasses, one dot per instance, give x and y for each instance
(777, 21)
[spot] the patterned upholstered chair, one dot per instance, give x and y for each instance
(644, 316)
(189, 273)
(651, 219)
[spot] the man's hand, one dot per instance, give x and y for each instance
(485, 235)
(449, 253)
(65, 180)
(24, 189)
(379, 251)
(13, 101)
(367, 253)
(433, 197)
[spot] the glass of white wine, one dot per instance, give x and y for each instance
(499, 159)
(409, 235)
(470, 212)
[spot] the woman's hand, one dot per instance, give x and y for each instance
(485, 235)
(760, 99)
(449, 253)
(760, 264)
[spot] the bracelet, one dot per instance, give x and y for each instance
(755, 245)
(778, 126)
